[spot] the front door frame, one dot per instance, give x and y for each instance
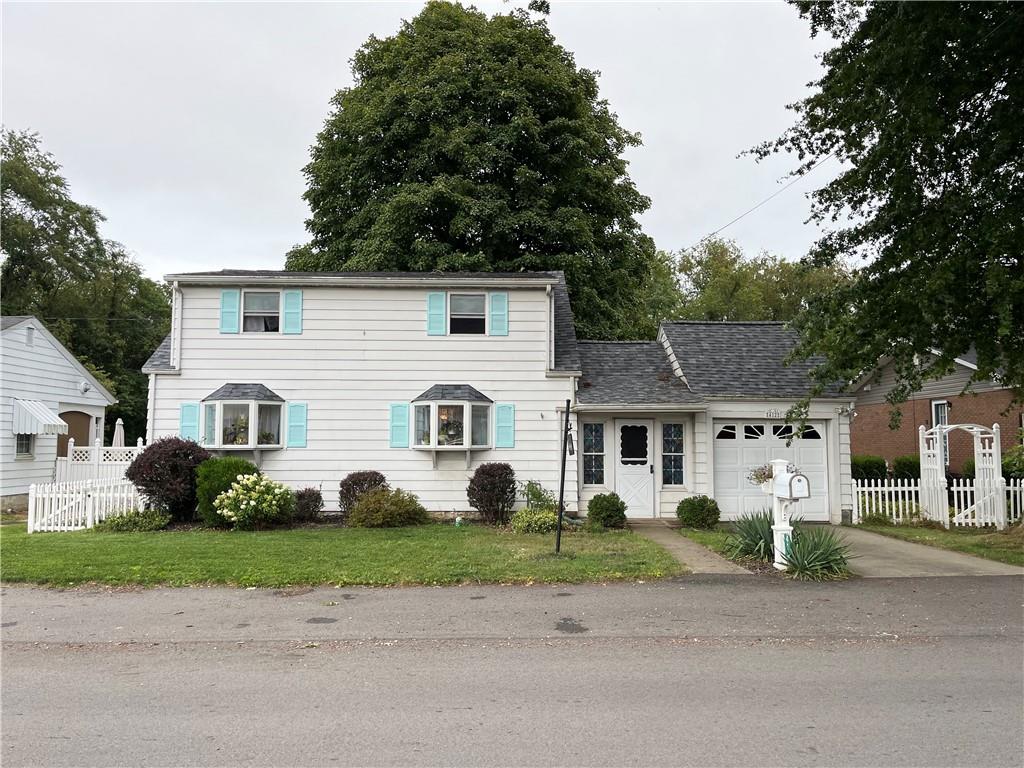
(623, 471)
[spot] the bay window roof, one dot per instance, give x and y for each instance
(244, 392)
(461, 392)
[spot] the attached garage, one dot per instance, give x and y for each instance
(741, 445)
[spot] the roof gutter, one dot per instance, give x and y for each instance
(399, 282)
(638, 407)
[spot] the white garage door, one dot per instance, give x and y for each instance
(742, 445)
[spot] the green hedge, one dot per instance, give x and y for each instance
(866, 467)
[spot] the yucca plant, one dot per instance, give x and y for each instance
(818, 554)
(752, 535)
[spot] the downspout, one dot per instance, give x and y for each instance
(551, 327)
(151, 415)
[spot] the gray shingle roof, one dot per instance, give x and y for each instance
(567, 356)
(160, 360)
(454, 392)
(629, 373)
(8, 320)
(741, 359)
(243, 392)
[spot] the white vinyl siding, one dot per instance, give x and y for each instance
(36, 372)
(362, 349)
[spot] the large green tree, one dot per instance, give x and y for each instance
(90, 294)
(922, 104)
(471, 142)
(719, 282)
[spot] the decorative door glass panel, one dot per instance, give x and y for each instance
(633, 444)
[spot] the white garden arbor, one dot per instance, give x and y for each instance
(989, 507)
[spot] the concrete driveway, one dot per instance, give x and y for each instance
(883, 557)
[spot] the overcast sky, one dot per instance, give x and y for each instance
(188, 125)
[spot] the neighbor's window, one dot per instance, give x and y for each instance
(24, 445)
(593, 454)
(480, 424)
(450, 424)
(261, 311)
(467, 313)
(672, 454)
(268, 424)
(234, 419)
(421, 425)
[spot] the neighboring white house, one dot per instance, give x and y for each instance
(425, 376)
(46, 396)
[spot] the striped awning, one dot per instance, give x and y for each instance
(32, 417)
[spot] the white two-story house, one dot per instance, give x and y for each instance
(425, 376)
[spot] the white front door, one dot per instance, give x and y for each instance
(634, 475)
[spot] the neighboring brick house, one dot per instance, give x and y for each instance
(939, 401)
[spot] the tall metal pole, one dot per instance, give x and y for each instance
(561, 480)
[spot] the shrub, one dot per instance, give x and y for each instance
(355, 485)
(309, 503)
(535, 520)
(255, 501)
(968, 470)
(751, 536)
(387, 508)
(1013, 463)
(492, 492)
(698, 512)
(130, 522)
(606, 510)
(165, 473)
(213, 477)
(537, 496)
(907, 466)
(868, 467)
(818, 554)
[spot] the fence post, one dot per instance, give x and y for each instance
(89, 506)
(31, 507)
(97, 450)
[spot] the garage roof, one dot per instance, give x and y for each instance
(741, 359)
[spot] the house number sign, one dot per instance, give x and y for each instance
(774, 413)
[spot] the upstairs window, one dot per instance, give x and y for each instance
(467, 313)
(261, 311)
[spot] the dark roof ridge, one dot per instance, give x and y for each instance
(724, 322)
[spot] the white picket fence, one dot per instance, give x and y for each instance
(900, 501)
(95, 462)
(78, 505)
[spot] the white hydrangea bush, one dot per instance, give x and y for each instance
(256, 501)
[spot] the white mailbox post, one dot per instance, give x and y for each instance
(787, 488)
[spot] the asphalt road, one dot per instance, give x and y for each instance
(697, 671)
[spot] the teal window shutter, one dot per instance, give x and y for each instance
(230, 301)
(292, 301)
(400, 425)
(504, 425)
(436, 313)
(188, 421)
(499, 314)
(296, 425)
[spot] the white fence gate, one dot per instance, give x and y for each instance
(901, 501)
(95, 462)
(74, 506)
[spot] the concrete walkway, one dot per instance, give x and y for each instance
(882, 556)
(697, 558)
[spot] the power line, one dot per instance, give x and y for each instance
(768, 199)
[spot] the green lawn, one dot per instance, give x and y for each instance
(430, 554)
(1004, 547)
(713, 539)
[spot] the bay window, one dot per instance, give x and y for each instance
(450, 425)
(242, 417)
(440, 426)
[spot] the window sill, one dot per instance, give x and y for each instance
(451, 448)
(243, 447)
